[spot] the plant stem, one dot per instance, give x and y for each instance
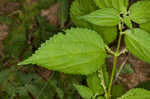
(114, 62)
(101, 76)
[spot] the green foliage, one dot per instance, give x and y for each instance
(127, 69)
(78, 9)
(93, 82)
(19, 84)
(120, 5)
(103, 17)
(138, 43)
(5, 20)
(71, 53)
(108, 34)
(15, 41)
(78, 50)
(127, 21)
(108, 3)
(105, 74)
(100, 3)
(100, 97)
(43, 4)
(145, 85)
(145, 26)
(139, 11)
(63, 13)
(84, 91)
(27, 30)
(117, 91)
(137, 93)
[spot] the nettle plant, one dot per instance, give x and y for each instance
(83, 50)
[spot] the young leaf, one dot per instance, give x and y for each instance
(127, 21)
(138, 43)
(103, 17)
(94, 83)
(84, 91)
(137, 93)
(79, 51)
(145, 26)
(140, 11)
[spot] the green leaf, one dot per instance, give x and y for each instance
(140, 11)
(80, 8)
(63, 12)
(105, 74)
(138, 43)
(100, 3)
(145, 26)
(15, 41)
(94, 83)
(74, 53)
(77, 9)
(126, 3)
(4, 75)
(117, 91)
(84, 91)
(103, 17)
(108, 3)
(83, 6)
(120, 5)
(5, 20)
(145, 85)
(43, 4)
(100, 97)
(108, 34)
(115, 4)
(137, 93)
(127, 21)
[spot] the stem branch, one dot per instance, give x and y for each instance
(115, 62)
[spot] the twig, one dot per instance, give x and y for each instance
(120, 69)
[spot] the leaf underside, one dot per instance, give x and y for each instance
(79, 51)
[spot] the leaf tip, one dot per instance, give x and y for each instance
(25, 62)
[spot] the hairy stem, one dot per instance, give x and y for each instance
(101, 76)
(114, 62)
